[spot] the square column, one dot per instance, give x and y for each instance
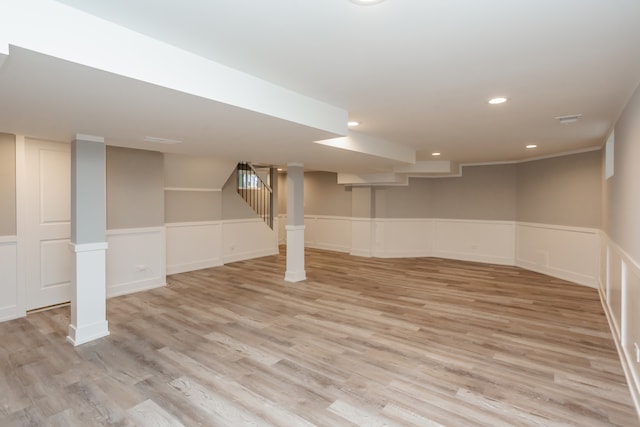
(88, 240)
(362, 221)
(295, 223)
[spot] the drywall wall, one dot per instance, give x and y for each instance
(323, 196)
(7, 184)
(621, 203)
(135, 183)
(193, 187)
(482, 193)
(233, 206)
(563, 190)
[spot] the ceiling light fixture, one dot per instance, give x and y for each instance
(568, 119)
(532, 146)
(436, 154)
(366, 2)
(352, 124)
(498, 100)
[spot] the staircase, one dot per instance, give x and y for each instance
(254, 186)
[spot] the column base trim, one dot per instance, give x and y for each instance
(84, 334)
(295, 276)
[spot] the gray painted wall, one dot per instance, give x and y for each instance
(189, 206)
(323, 196)
(234, 206)
(196, 172)
(482, 192)
(7, 185)
(562, 190)
(621, 204)
(135, 188)
(191, 174)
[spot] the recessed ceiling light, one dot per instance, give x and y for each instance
(532, 146)
(366, 2)
(435, 154)
(352, 124)
(498, 100)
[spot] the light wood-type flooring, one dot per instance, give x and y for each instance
(362, 342)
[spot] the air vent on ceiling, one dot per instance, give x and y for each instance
(161, 140)
(568, 119)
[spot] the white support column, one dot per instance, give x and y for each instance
(88, 240)
(362, 225)
(295, 223)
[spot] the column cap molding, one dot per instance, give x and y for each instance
(294, 227)
(88, 247)
(89, 138)
(294, 164)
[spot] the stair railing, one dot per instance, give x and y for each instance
(256, 192)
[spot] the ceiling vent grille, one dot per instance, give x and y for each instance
(568, 119)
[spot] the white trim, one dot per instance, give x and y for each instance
(243, 221)
(88, 138)
(139, 230)
(559, 227)
(88, 247)
(191, 224)
(627, 359)
(249, 255)
(81, 335)
(8, 239)
(192, 189)
(22, 226)
(195, 265)
(294, 227)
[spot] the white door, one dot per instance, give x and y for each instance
(48, 167)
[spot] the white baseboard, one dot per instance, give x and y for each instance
(243, 256)
(571, 276)
(192, 266)
(132, 287)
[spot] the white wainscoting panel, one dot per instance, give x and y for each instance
(401, 238)
(193, 246)
(332, 233)
(474, 240)
(246, 239)
(361, 237)
(621, 302)
(614, 287)
(568, 253)
(9, 293)
(135, 260)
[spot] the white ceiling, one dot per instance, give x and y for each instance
(415, 73)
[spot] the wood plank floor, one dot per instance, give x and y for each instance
(365, 342)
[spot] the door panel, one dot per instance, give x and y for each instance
(48, 223)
